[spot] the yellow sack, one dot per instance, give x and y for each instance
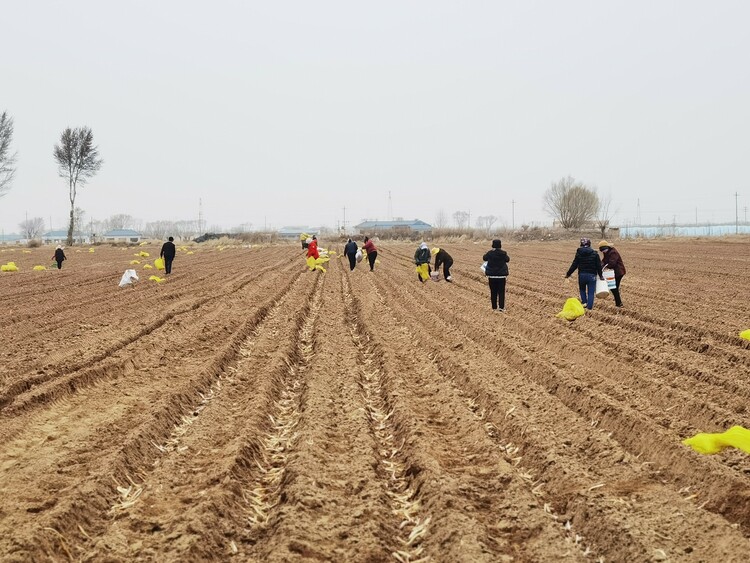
(92, 250)
(9, 267)
(736, 437)
(157, 279)
(316, 264)
(571, 310)
(424, 271)
(143, 254)
(148, 267)
(159, 263)
(191, 252)
(745, 334)
(39, 268)
(135, 262)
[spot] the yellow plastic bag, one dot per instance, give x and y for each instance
(148, 267)
(705, 443)
(157, 279)
(135, 262)
(745, 334)
(424, 271)
(39, 268)
(92, 250)
(9, 267)
(143, 254)
(571, 310)
(316, 264)
(159, 263)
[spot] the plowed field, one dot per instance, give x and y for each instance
(249, 409)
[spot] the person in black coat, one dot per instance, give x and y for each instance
(589, 266)
(350, 251)
(497, 272)
(59, 257)
(442, 258)
(168, 252)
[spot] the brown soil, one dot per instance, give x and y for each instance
(249, 409)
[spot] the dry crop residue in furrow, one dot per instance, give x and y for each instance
(380, 413)
(583, 491)
(264, 495)
(124, 463)
(21, 395)
(460, 465)
(717, 485)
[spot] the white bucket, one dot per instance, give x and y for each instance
(601, 288)
(609, 277)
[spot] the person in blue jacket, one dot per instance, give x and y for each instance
(350, 251)
(589, 266)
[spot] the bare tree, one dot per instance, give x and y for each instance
(461, 218)
(77, 161)
(120, 221)
(7, 160)
(571, 203)
(485, 222)
(79, 216)
(441, 219)
(605, 213)
(158, 229)
(32, 228)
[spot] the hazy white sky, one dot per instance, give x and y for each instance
(285, 112)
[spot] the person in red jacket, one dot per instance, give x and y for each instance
(612, 260)
(372, 252)
(312, 248)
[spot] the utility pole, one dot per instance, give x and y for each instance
(390, 206)
(200, 216)
(638, 214)
(746, 214)
(344, 221)
(736, 213)
(513, 214)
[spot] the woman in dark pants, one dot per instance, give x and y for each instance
(59, 257)
(372, 252)
(612, 260)
(442, 258)
(589, 266)
(497, 272)
(350, 251)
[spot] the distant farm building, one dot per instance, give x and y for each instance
(397, 225)
(12, 238)
(295, 232)
(122, 235)
(61, 237)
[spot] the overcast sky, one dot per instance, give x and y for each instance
(284, 113)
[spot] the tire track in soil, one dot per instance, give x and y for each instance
(548, 377)
(463, 480)
(86, 372)
(385, 430)
(59, 523)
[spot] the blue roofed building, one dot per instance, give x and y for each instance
(395, 225)
(61, 236)
(122, 235)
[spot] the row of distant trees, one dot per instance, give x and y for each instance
(77, 160)
(570, 203)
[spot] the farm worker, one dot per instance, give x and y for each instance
(497, 272)
(612, 260)
(312, 247)
(444, 259)
(372, 252)
(589, 267)
(422, 260)
(350, 251)
(303, 239)
(59, 257)
(168, 252)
